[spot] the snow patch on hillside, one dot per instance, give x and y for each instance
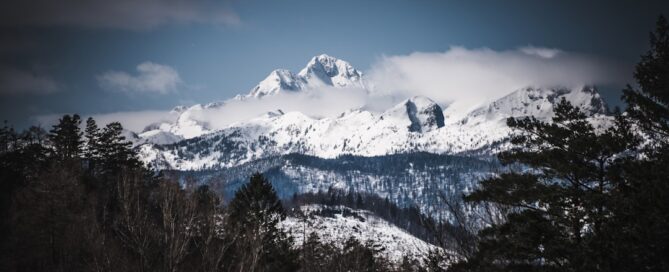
(364, 226)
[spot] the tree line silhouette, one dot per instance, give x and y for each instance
(78, 200)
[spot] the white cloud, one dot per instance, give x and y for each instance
(131, 120)
(459, 79)
(135, 120)
(325, 102)
(17, 82)
(465, 78)
(151, 78)
(318, 103)
(123, 14)
(547, 53)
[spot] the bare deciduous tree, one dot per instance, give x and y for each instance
(177, 212)
(133, 225)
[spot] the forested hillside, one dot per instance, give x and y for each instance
(80, 201)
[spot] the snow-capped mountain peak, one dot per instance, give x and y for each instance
(330, 71)
(277, 81)
(321, 71)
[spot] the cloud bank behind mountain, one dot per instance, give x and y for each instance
(458, 79)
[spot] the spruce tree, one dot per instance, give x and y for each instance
(252, 227)
(649, 104)
(114, 150)
(639, 240)
(66, 137)
(92, 135)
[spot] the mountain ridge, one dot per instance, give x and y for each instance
(415, 124)
(359, 132)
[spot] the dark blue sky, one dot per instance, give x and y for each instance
(51, 61)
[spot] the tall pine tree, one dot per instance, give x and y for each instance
(92, 135)
(113, 149)
(639, 239)
(252, 228)
(66, 137)
(649, 104)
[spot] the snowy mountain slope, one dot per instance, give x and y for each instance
(539, 102)
(416, 124)
(487, 123)
(354, 132)
(158, 137)
(360, 224)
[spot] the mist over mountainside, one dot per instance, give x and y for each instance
(415, 124)
(412, 154)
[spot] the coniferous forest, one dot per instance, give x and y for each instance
(80, 201)
(75, 197)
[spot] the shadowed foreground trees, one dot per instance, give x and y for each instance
(75, 205)
(590, 199)
(82, 202)
(257, 243)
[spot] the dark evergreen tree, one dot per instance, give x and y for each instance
(252, 228)
(66, 137)
(92, 134)
(649, 105)
(638, 239)
(114, 150)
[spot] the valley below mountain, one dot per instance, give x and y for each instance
(412, 154)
